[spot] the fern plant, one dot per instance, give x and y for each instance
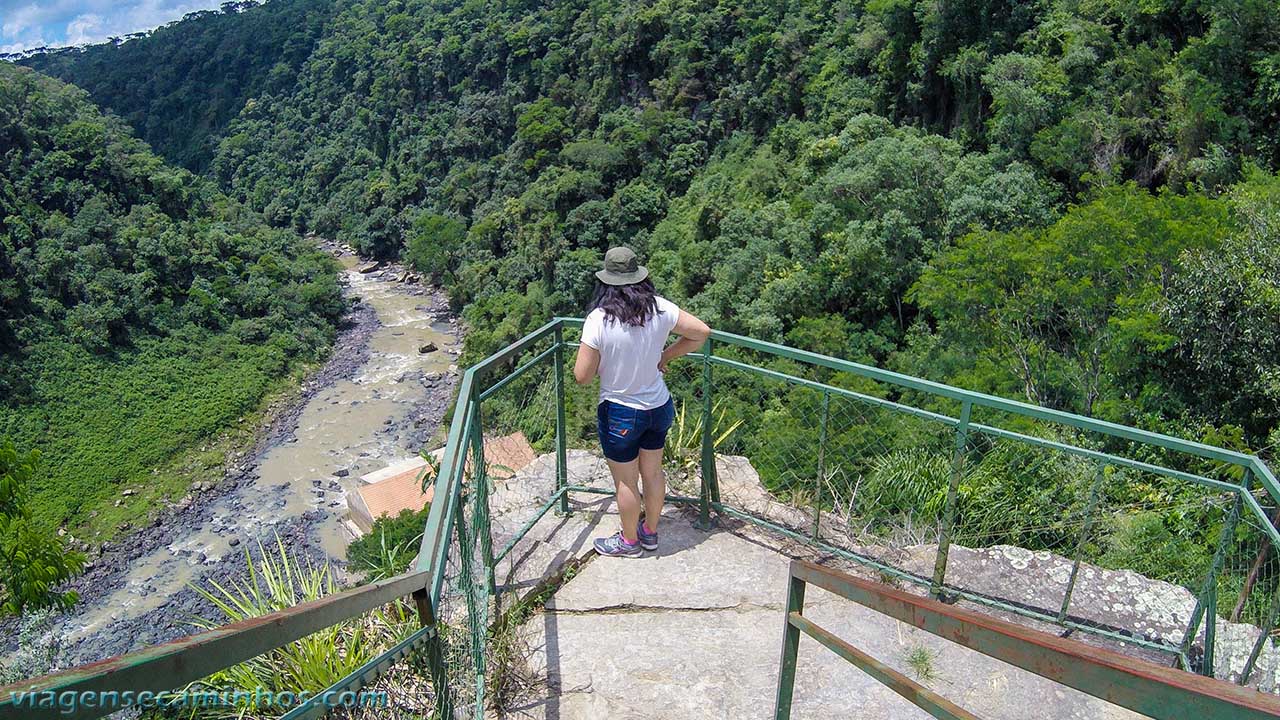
(684, 440)
(905, 482)
(276, 581)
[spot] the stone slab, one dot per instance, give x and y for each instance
(695, 632)
(691, 569)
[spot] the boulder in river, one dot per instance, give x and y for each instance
(371, 267)
(428, 348)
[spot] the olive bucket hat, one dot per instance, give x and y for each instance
(621, 267)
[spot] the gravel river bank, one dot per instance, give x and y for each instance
(377, 399)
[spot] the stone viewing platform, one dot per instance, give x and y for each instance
(694, 629)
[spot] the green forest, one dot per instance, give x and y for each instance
(826, 175)
(1068, 202)
(180, 85)
(143, 312)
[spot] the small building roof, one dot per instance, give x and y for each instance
(398, 487)
(390, 495)
(505, 456)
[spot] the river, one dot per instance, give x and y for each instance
(378, 399)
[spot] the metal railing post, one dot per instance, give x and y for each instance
(1094, 490)
(1208, 595)
(1264, 637)
(790, 650)
(480, 478)
(562, 464)
(709, 491)
(436, 666)
(476, 630)
(822, 462)
(1210, 630)
(949, 512)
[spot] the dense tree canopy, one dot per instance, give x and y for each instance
(792, 170)
(138, 301)
(180, 85)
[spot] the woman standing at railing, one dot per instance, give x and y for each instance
(624, 342)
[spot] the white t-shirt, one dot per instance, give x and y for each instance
(629, 356)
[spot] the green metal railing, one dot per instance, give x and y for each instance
(1143, 687)
(870, 464)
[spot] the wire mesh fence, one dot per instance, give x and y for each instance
(1112, 537)
(1115, 538)
(404, 689)
(1121, 538)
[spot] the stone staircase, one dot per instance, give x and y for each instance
(694, 629)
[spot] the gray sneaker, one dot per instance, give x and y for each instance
(648, 540)
(615, 546)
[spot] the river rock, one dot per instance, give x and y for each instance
(371, 267)
(428, 348)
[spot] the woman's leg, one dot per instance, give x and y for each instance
(625, 480)
(655, 486)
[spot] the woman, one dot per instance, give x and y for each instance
(623, 341)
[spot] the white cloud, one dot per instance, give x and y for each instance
(84, 29)
(19, 18)
(25, 24)
(20, 46)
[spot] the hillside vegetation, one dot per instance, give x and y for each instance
(822, 174)
(180, 85)
(1071, 202)
(142, 311)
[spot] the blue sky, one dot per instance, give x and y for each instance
(25, 24)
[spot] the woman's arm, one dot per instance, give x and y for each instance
(587, 364)
(692, 331)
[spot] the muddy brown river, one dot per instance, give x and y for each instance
(379, 406)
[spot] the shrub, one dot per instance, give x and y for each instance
(37, 561)
(277, 580)
(389, 547)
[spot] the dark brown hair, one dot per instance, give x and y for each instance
(633, 304)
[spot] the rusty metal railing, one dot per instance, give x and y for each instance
(1159, 692)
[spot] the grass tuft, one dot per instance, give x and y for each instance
(920, 660)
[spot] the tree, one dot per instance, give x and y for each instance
(36, 561)
(118, 273)
(1224, 306)
(436, 245)
(388, 548)
(1061, 307)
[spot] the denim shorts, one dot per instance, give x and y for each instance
(625, 431)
